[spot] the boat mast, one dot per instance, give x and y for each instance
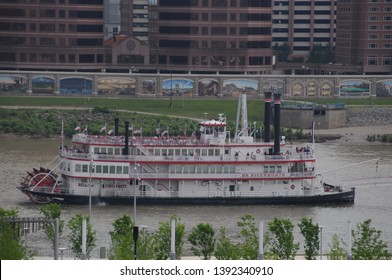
(242, 116)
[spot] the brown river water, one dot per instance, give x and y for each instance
(373, 182)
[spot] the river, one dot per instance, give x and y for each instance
(373, 182)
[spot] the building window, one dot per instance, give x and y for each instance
(387, 60)
(372, 60)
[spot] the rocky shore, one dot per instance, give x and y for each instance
(361, 121)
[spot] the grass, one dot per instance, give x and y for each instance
(194, 108)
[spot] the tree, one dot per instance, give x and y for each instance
(310, 232)
(282, 239)
(203, 240)
(367, 244)
(121, 237)
(282, 52)
(336, 252)
(52, 211)
(122, 243)
(225, 249)
(321, 54)
(11, 245)
(75, 236)
(249, 236)
(162, 239)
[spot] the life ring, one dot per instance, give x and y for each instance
(292, 187)
(258, 151)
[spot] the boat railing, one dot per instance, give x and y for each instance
(195, 158)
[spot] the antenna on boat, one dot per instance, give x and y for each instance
(313, 126)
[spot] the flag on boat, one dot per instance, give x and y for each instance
(77, 128)
(85, 131)
(130, 127)
(138, 131)
(111, 131)
(165, 132)
(102, 129)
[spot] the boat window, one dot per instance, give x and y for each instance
(186, 169)
(96, 150)
(197, 151)
(211, 152)
(105, 169)
(279, 169)
(177, 152)
(217, 152)
(98, 168)
(157, 152)
(219, 169)
(204, 152)
(191, 152)
(178, 169)
(112, 169)
(184, 152)
(199, 169)
(125, 169)
(252, 188)
(119, 169)
(84, 168)
(117, 151)
(78, 167)
(170, 152)
(192, 169)
(69, 167)
(205, 168)
(164, 152)
(110, 151)
(272, 169)
(231, 169)
(226, 169)
(103, 150)
(212, 169)
(226, 152)
(171, 169)
(265, 169)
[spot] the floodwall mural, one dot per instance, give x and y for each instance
(43, 85)
(79, 86)
(13, 84)
(195, 86)
(116, 86)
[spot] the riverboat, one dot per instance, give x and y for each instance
(210, 167)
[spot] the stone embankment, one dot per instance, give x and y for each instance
(368, 116)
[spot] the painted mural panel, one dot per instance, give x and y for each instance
(297, 89)
(177, 87)
(384, 88)
(274, 86)
(208, 87)
(149, 87)
(326, 89)
(235, 87)
(13, 84)
(116, 86)
(311, 89)
(43, 85)
(354, 88)
(78, 86)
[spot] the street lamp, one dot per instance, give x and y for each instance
(321, 242)
(136, 176)
(91, 169)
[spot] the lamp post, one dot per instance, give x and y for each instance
(136, 177)
(321, 242)
(91, 169)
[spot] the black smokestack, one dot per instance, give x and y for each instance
(267, 116)
(115, 126)
(277, 123)
(126, 147)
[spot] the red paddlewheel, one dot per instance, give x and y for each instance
(41, 181)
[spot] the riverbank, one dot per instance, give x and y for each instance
(354, 134)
